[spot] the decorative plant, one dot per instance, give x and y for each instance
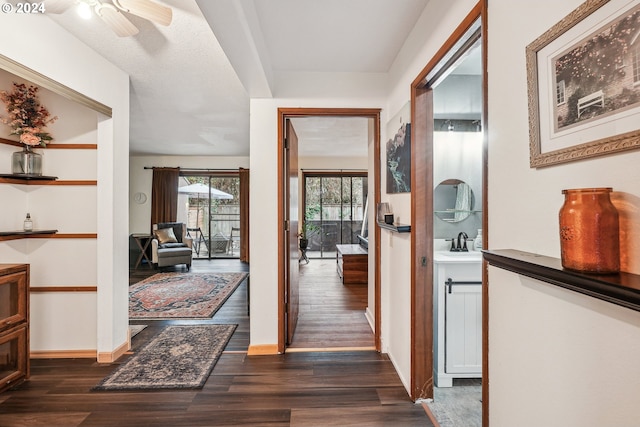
(307, 227)
(27, 117)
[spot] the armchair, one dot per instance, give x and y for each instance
(171, 245)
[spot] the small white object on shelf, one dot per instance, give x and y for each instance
(477, 242)
(28, 224)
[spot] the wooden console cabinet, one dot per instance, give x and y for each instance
(14, 324)
(352, 264)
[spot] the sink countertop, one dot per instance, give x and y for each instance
(457, 257)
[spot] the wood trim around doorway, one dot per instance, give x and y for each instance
(421, 207)
(288, 113)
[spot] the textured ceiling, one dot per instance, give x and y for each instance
(185, 96)
(336, 35)
(188, 99)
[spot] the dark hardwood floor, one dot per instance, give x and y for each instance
(332, 315)
(357, 388)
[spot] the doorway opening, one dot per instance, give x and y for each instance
(442, 138)
(458, 218)
(290, 213)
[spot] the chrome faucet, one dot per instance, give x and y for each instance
(462, 244)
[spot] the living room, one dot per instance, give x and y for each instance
(513, 183)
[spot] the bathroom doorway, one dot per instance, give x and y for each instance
(457, 234)
(449, 196)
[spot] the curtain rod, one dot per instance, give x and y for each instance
(334, 170)
(192, 169)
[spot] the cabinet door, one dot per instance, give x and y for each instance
(13, 300)
(463, 329)
(14, 356)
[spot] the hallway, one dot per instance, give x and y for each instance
(332, 315)
(357, 388)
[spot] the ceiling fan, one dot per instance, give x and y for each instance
(111, 12)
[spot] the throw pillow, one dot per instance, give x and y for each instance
(166, 235)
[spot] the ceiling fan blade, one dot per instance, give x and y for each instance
(116, 20)
(146, 9)
(58, 6)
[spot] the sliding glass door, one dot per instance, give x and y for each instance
(333, 210)
(209, 204)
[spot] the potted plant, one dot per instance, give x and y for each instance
(308, 228)
(27, 119)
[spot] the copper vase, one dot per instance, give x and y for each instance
(589, 231)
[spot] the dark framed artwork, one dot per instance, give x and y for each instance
(398, 150)
(583, 79)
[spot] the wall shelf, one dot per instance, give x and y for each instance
(7, 178)
(19, 181)
(621, 289)
(398, 228)
(18, 234)
(52, 146)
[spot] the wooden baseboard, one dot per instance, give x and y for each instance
(432, 417)
(370, 318)
(105, 357)
(262, 350)
(110, 357)
(63, 354)
(328, 349)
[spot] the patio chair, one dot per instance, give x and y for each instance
(234, 240)
(171, 245)
(198, 239)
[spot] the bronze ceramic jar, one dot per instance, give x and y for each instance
(589, 231)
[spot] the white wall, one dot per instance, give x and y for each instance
(264, 196)
(332, 162)
(140, 180)
(557, 358)
(41, 45)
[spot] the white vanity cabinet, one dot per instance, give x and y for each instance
(457, 291)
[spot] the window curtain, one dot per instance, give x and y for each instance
(164, 195)
(244, 214)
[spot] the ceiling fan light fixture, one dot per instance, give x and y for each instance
(116, 20)
(146, 9)
(84, 10)
(111, 12)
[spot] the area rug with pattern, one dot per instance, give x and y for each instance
(181, 295)
(180, 357)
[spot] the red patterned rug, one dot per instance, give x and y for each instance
(181, 295)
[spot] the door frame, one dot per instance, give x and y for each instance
(422, 230)
(289, 113)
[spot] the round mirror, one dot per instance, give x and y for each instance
(453, 200)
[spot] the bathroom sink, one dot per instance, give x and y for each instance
(459, 256)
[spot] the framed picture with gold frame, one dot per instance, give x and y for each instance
(583, 77)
